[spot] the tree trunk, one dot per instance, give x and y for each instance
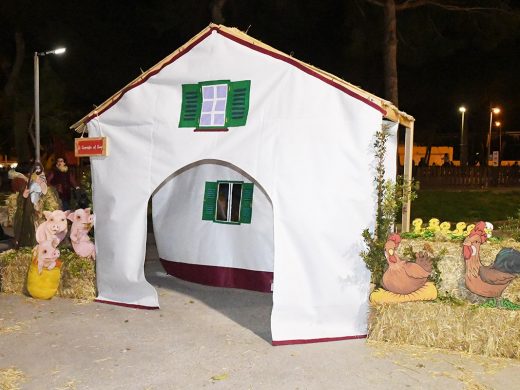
(216, 8)
(390, 51)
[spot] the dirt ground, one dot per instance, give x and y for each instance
(206, 337)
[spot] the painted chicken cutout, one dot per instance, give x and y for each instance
(404, 281)
(488, 281)
(404, 277)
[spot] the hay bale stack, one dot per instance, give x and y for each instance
(77, 279)
(441, 324)
(485, 331)
(14, 265)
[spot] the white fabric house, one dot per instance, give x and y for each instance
(260, 170)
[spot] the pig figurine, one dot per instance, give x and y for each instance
(82, 222)
(46, 254)
(43, 278)
(55, 226)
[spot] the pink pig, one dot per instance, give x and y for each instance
(82, 222)
(46, 254)
(55, 226)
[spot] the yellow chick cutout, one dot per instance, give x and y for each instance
(435, 226)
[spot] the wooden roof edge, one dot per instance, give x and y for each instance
(392, 112)
(80, 125)
(396, 115)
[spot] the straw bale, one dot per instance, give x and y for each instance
(77, 274)
(14, 265)
(11, 378)
(10, 204)
(467, 328)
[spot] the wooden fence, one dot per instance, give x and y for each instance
(467, 177)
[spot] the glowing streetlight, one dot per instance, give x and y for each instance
(462, 110)
(37, 97)
(498, 124)
(494, 110)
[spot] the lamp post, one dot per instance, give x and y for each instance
(498, 124)
(494, 110)
(462, 110)
(37, 97)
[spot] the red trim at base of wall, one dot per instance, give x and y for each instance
(127, 305)
(310, 341)
(220, 276)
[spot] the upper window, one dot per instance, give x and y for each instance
(228, 202)
(215, 105)
(214, 100)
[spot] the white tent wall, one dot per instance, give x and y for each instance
(308, 143)
(181, 234)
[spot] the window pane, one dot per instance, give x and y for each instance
(222, 201)
(235, 203)
(222, 91)
(208, 92)
(207, 106)
(219, 120)
(220, 106)
(205, 120)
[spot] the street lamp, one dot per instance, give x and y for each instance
(499, 125)
(37, 97)
(494, 110)
(462, 110)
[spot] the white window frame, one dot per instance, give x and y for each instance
(229, 202)
(214, 102)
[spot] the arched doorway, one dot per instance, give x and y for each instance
(213, 224)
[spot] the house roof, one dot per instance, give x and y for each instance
(387, 109)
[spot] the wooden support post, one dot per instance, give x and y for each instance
(407, 177)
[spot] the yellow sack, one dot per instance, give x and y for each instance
(428, 292)
(44, 285)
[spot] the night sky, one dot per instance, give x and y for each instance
(445, 59)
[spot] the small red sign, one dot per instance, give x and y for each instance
(87, 147)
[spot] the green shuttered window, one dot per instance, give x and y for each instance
(215, 104)
(228, 202)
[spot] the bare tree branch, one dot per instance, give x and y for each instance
(409, 4)
(216, 8)
(379, 3)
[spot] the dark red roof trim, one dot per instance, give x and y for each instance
(251, 46)
(302, 68)
(127, 305)
(144, 79)
(309, 341)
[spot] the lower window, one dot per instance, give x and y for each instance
(228, 202)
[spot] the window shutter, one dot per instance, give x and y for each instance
(191, 105)
(210, 201)
(238, 103)
(246, 205)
